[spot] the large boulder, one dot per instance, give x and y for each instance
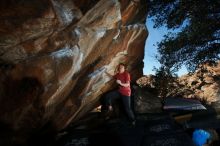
(53, 55)
(146, 100)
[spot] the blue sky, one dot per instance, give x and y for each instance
(155, 35)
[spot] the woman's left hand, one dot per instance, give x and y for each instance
(118, 81)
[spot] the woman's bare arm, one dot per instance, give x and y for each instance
(111, 76)
(127, 84)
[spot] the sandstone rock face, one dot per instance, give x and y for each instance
(53, 55)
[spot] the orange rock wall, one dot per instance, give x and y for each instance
(53, 55)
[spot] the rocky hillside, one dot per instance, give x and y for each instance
(53, 55)
(203, 84)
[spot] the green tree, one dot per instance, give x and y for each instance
(164, 81)
(198, 36)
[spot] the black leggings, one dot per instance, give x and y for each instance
(126, 102)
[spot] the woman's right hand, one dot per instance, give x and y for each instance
(111, 76)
